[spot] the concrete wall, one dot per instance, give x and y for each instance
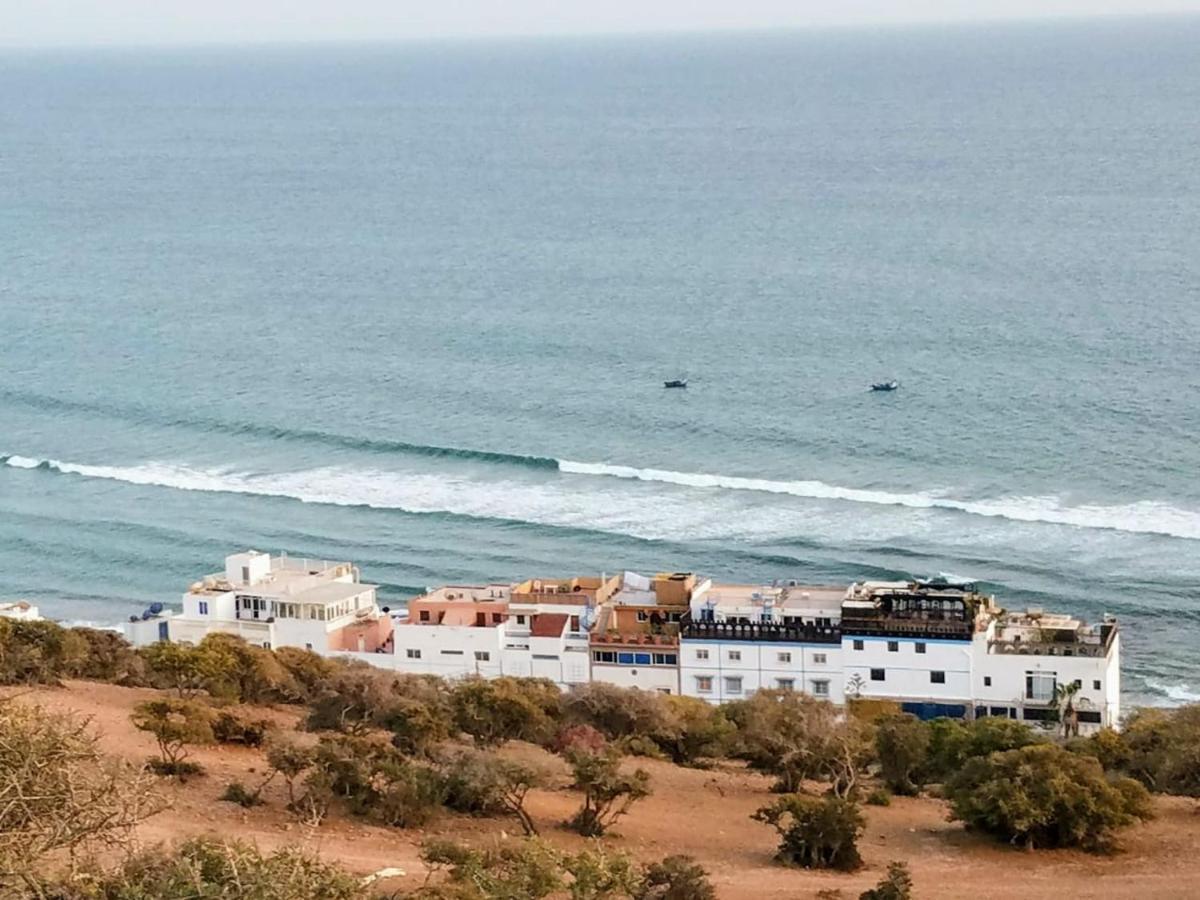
(759, 665)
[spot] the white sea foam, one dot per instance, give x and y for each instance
(644, 512)
(1177, 693)
(1143, 517)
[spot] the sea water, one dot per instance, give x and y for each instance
(413, 306)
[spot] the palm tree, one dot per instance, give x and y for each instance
(1064, 698)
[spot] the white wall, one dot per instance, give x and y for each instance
(907, 673)
(648, 678)
(761, 665)
(1007, 673)
(448, 650)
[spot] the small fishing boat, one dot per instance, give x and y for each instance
(885, 385)
(676, 383)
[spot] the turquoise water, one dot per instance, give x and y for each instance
(412, 306)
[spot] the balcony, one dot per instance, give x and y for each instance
(768, 632)
(637, 639)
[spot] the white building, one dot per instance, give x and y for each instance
(945, 650)
(739, 639)
(276, 602)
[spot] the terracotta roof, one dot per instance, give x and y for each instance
(548, 625)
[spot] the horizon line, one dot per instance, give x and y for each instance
(877, 25)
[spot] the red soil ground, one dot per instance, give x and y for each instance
(705, 814)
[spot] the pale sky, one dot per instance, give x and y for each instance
(108, 22)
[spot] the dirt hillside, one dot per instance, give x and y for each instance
(705, 814)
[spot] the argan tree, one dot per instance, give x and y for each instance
(608, 793)
(175, 725)
(902, 747)
(1045, 796)
(815, 832)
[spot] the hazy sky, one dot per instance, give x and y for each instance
(56, 22)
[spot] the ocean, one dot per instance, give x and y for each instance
(413, 306)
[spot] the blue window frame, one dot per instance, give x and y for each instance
(204, 607)
(625, 659)
(642, 659)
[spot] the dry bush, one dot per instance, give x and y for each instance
(211, 869)
(59, 793)
(175, 724)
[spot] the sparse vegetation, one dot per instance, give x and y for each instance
(59, 794)
(797, 738)
(1044, 796)
(902, 747)
(175, 724)
(895, 885)
(815, 832)
(608, 793)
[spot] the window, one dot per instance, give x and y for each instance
(308, 646)
(266, 645)
(641, 616)
(937, 677)
(520, 620)
(818, 659)
(665, 659)
(497, 618)
(919, 646)
(987, 680)
(877, 675)
(625, 659)
(701, 654)
(574, 623)
(642, 659)
(858, 645)
(735, 655)
(482, 656)
(703, 684)
(245, 574)
(785, 657)
(1039, 686)
(553, 656)
(893, 646)
(452, 653)
(733, 684)
(604, 656)
(1096, 684)
(424, 615)
(204, 607)
(785, 684)
(820, 688)
(664, 690)
(413, 654)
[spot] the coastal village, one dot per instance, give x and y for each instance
(934, 647)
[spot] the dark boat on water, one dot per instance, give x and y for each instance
(676, 383)
(885, 385)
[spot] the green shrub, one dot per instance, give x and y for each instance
(815, 832)
(952, 742)
(896, 885)
(879, 797)
(377, 782)
(796, 738)
(902, 748)
(244, 673)
(503, 709)
(212, 869)
(236, 792)
(675, 878)
(37, 652)
(617, 712)
(692, 730)
(608, 793)
(105, 656)
(240, 727)
(1045, 796)
(309, 671)
(174, 724)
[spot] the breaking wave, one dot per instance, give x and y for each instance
(1176, 693)
(567, 502)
